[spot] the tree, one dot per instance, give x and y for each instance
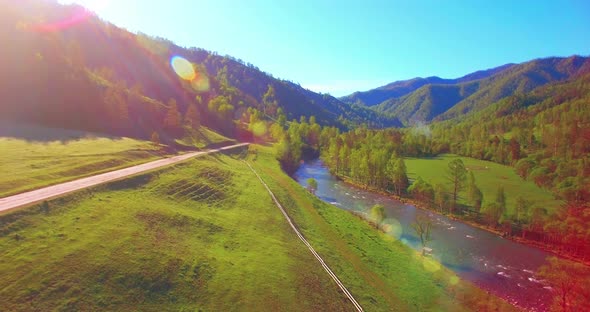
(116, 107)
(378, 214)
(441, 196)
(192, 117)
(399, 176)
(474, 195)
(312, 185)
(421, 190)
(172, 119)
(501, 198)
(456, 174)
(422, 226)
(493, 213)
(269, 101)
(514, 150)
(570, 284)
(521, 208)
(155, 138)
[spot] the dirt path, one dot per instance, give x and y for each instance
(302, 238)
(28, 198)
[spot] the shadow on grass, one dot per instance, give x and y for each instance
(35, 133)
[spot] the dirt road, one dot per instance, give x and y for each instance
(28, 198)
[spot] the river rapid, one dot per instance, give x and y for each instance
(501, 266)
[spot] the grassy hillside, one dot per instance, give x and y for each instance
(196, 237)
(202, 138)
(488, 176)
(28, 165)
(205, 235)
(39, 156)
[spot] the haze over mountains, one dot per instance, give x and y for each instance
(422, 100)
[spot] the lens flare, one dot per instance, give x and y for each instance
(79, 15)
(259, 128)
(430, 265)
(183, 68)
(200, 83)
(393, 228)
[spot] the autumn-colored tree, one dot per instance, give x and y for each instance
(569, 281)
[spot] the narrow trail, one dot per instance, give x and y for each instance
(28, 198)
(302, 238)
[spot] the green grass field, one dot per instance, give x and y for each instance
(31, 163)
(27, 165)
(202, 138)
(205, 235)
(488, 176)
(202, 236)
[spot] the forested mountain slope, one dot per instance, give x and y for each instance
(62, 66)
(430, 99)
(400, 88)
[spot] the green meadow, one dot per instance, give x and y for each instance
(50, 156)
(202, 137)
(488, 177)
(205, 235)
(28, 165)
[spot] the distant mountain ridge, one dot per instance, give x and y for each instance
(400, 88)
(429, 99)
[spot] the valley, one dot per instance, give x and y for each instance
(141, 172)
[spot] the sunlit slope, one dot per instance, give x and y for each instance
(34, 156)
(206, 235)
(488, 176)
(201, 236)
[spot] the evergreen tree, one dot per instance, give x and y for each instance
(441, 197)
(192, 117)
(172, 119)
(456, 174)
(501, 198)
(474, 195)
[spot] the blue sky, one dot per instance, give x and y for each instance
(340, 47)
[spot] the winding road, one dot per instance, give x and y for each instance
(28, 198)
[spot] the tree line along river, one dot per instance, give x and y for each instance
(501, 266)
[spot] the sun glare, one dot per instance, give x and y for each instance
(93, 5)
(183, 68)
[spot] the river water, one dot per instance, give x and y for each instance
(501, 266)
